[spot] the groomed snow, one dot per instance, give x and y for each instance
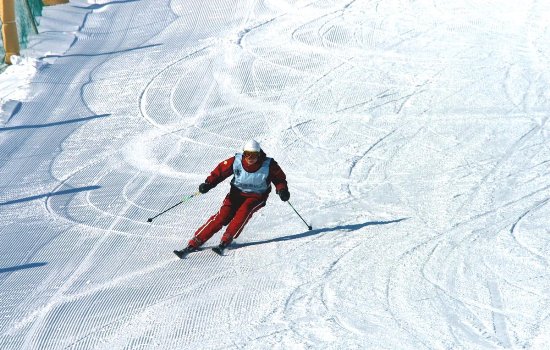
(415, 140)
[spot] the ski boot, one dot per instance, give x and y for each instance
(184, 252)
(221, 248)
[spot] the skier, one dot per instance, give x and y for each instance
(253, 172)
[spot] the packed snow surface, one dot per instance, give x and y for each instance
(413, 134)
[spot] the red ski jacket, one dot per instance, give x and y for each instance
(225, 169)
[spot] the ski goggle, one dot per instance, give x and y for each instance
(247, 154)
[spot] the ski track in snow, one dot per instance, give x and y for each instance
(415, 141)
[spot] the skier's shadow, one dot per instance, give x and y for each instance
(354, 227)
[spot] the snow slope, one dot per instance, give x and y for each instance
(415, 140)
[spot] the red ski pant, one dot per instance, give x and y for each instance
(235, 212)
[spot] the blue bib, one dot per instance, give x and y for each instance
(255, 182)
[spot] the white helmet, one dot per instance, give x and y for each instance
(251, 146)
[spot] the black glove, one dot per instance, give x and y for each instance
(205, 187)
(284, 194)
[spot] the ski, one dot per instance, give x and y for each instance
(182, 254)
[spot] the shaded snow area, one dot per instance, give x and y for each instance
(413, 134)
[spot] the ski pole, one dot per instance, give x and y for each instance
(300, 216)
(175, 205)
